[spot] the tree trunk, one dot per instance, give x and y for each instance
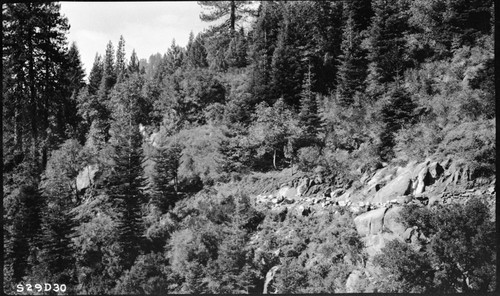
(274, 159)
(233, 15)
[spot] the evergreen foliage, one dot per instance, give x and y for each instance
(141, 179)
(459, 256)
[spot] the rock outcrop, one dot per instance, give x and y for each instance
(287, 192)
(376, 203)
(370, 222)
(86, 177)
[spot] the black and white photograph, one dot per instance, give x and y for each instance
(249, 147)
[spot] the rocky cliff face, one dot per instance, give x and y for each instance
(377, 203)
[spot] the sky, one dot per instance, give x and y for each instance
(147, 27)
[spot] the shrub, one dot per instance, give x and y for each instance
(460, 256)
(417, 141)
(475, 143)
(309, 158)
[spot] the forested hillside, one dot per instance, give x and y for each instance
(147, 177)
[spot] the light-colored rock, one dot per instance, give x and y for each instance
(355, 209)
(337, 192)
(155, 139)
(375, 242)
(401, 185)
(287, 192)
(303, 210)
(391, 221)
(436, 170)
(407, 234)
(419, 184)
(364, 178)
(344, 203)
(353, 282)
(346, 195)
(269, 279)
(434, 200)
(380, 175)
(371, 222)
(86, 177)
(303, 186)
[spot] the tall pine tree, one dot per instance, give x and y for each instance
(387, 50)
(34, 52)
(125, 180)
(308, 115)
(353, 60)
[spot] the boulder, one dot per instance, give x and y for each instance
(346, 195)
(391, 221)
(355, 209)
(155, 140)
(269, 280)
(304, 211)
(401, 185)
(371, 222)
(318, 180)
(427, 176)
(337, 192)
(435, 200)
(380, 175)
(375, 242)
(408, 234)
(314, 189)
(303, 186)
(420, 182)
(354, 282)
(344, 203)
(86, 177)
(287, 192)
(328, 191)
(436, 170)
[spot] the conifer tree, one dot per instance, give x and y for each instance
(120, 59)
(34, 52)
(174, 58)
(133, 65)
(98, 133)
(308, 115)
(125, 181)
(263, 43)
(232, 10)
(69, 122)
(236, 53)
(387, 50)
(95, 76)
(286, 66)
(56, 253)
(22, 221)
(109, 72)
(163, 185)
(353, 61)
(196, 54)
(75, 70)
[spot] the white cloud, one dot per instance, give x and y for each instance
(149, 27)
